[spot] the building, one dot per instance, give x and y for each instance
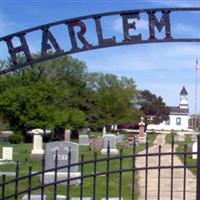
(178, 118)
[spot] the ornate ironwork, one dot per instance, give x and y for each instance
(25, 184)
(79, 41)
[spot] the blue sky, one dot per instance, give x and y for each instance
(161, 68)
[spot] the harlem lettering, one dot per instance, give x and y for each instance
(78, 38)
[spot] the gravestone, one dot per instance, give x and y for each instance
(83, 198)
(5, 135)
(115, 127)
(104, 130)
(111, 139)
(96, 144)
(112, 198)
(67, 135)
(142, 135)
(62, 148)
(63, 197)
(194, 149)
(193, 137)
(84, 140)
(179, 137)
(34, 197)
(7, 153)
(120, 138)
(37, 151)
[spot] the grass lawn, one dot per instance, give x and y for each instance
(180, 148)
(22, 151)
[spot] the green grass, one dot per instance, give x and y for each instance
(180, 148)
(22, 151)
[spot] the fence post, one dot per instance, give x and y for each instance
(198, 169)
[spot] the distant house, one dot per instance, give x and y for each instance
(178, 118)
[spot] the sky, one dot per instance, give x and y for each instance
(161, 68)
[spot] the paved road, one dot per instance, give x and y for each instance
(165, 181)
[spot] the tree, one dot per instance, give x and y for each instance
(153, 107)
(112, 100)
(42, 96)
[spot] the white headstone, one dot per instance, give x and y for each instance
(34, 197)
(37, 142)
(83, 198)
(115, 127)
(194, 149)
(104, 130)
(84, 140)
(179, 137)
(193, 137)
(120, 138)
(111, 140)
(112, 198)
(7, 153)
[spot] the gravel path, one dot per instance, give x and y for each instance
(165, 181)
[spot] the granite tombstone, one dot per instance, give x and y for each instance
(84, 140)
(193, 137)
(111, 140)
(120, 138)
(62, 148)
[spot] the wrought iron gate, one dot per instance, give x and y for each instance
(26, 185)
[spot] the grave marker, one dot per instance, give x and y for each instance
(7, 153)
(111, 139)
(62, 148)
(34, 197)
(194, 149)
(84, 140)
(37, 151)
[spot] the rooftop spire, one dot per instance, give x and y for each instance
(183, 92)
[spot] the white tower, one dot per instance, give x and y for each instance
(183, 99)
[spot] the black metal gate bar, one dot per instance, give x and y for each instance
(94, 177)
(68, 175)
(55, 176)
(146, 168)
(120, 173)
(29, 182)
(3, 186)
(172, 169)
(133, 170)
(107, 171)
(184, 171)
(159, 163)
(16, 181)
(42, 178)
(198, 169)
(82, 171)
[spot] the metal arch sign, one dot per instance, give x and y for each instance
(158, 21)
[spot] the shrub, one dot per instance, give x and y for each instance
(15, 139)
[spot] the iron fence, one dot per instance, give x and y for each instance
(30, 186)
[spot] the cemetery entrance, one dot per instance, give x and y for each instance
(60, 167)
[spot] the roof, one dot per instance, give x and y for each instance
(178, 110)
(183, 91)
